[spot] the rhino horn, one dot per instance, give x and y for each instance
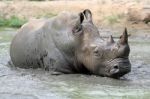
(88, 15)
(124, 37)
(110, 39)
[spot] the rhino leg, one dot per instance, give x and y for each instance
(55, 64)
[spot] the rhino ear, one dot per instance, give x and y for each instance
(81, 17)
(88, 15)
(78, 28)
(124, 37)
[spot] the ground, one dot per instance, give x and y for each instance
(17, 83)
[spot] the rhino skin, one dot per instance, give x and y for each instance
(70, 43)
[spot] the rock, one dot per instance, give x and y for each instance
(139, 14)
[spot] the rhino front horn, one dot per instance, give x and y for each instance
(124, 37)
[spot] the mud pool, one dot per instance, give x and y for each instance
(16, 83)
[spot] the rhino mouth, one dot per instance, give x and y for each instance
(118, 75)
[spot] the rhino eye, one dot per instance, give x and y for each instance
(77, 29)
(96, 52)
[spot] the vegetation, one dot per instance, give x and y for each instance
(114, 18)
(36, 0)
(17, 22)
(13, 21)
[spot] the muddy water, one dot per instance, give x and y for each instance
(18, 83)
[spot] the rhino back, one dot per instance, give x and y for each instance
(41, 41)
(27, 46)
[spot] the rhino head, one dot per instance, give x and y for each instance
(100, 57)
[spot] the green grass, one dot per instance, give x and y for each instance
(13, 21)
(112, 19)
(16, 22)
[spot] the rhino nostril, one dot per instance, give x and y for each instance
(116, 67)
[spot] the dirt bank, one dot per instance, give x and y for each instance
(105, 13)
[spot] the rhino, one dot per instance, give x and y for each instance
(70, 43)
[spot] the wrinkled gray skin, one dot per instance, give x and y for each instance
(70, 43)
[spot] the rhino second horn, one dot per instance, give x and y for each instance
(110, 39)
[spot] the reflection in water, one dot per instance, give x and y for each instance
(39, 84)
